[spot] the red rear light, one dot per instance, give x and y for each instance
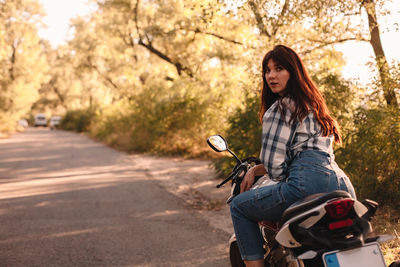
(338, 209)
(340, 224)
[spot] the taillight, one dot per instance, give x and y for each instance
(339, 209)
(340, 224)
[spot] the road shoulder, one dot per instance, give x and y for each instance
(194, 182)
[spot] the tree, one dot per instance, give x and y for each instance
(22, 62)
(380, 58)
(317, 25)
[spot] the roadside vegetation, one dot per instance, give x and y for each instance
(387, 221)
(166, 74)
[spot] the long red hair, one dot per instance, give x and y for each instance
(300, 88)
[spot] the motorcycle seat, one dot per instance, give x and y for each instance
(310, 202)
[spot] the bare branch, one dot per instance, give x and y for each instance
(149, 46)
(179, 67)
(60, 96)
(13, 58)
(197, 30)
(327, 43)
(281, 16)
(108, 79)
(135, 11)
(260, 24)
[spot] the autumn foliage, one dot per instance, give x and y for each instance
(160, 76)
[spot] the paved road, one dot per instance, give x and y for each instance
(68, 201)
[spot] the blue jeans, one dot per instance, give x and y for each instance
(310, 172)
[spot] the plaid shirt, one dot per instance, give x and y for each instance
(282, 141)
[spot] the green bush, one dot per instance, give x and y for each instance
(77, 120)
(243, 134)
(371, 154)
(342, 99)
(163, 118)
(168, 120)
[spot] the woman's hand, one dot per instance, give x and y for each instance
(248, 179)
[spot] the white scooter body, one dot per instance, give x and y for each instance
(284, 236)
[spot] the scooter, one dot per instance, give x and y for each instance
(327, 229)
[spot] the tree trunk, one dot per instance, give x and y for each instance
(383, 66)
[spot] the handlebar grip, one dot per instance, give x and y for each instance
(235, 173)
(225, 181)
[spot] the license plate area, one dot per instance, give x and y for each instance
(368, 255)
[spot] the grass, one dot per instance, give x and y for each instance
(387, 221)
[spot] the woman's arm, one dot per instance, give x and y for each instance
(277, 136)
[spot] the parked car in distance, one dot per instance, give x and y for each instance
(54, 122)
(40, 120)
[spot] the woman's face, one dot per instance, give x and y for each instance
(277, 77)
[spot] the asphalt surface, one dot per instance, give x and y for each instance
(66, 200)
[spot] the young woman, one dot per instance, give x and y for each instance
(297, 137)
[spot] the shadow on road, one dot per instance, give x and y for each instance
(68, 201)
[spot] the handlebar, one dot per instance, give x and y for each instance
(243, 166)
(236, 171)
(226, 180)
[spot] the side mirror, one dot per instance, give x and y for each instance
(217, 143)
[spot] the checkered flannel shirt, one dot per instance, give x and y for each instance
(282, 141)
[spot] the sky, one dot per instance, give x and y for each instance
(357, 55)
(59, 13)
